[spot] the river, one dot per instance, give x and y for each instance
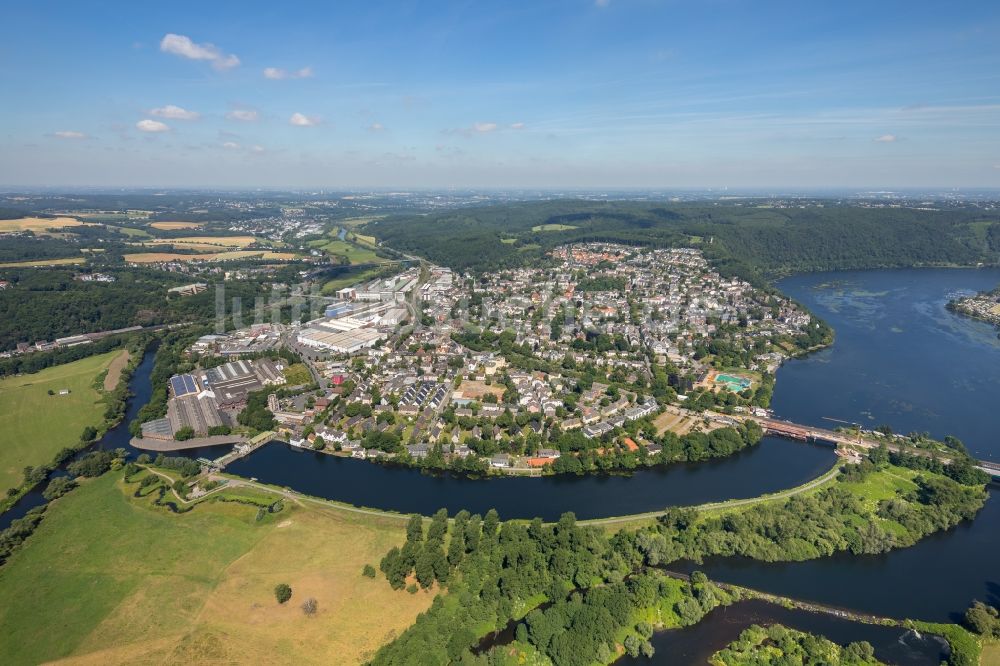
(902, 359)
(772, 465)
(695, 644)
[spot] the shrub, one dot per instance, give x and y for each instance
(282, 592)
(369, 571)
(58, 487)
(309, 606)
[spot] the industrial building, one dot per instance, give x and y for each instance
(196, 411)
(340, 341)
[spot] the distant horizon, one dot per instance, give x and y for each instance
(759, 191)
(596, 94)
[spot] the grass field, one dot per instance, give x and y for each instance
(351, 278)
(133, 232)
(172, 226)
(30, 440)
(297, 374)
(108, 578)
(552, 227)
(355, 254)
(680, 423)
(991, 654)
(39, 224)
(44, 262)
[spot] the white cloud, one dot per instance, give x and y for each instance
(301, 120)
(243, 115)
(483, 128)
(517, 126)
(231, 145)
(602, 3)
(174, 113)
(256, 149)
(69, 134)
(885, 138)
(153, 126)
(277, 74)
(376, 127)
(183, 46)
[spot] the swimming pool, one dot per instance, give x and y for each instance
(734, 383)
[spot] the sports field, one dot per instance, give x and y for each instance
(36, 425)
(108, 578)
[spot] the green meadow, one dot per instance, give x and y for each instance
(36, 425)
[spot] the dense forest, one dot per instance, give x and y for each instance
(45, 304)
(744, 239)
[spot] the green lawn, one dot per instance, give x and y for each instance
(36, 425)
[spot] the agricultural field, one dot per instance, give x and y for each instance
(205, 243)
(173, 226)
(66, 261)
(143, 585)
(157, 257)
(29, 440)
(39, 225)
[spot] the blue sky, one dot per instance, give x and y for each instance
(575, 93)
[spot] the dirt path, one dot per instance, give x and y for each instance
(115, 371)
(728, 504)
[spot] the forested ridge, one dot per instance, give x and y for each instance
(744, 239)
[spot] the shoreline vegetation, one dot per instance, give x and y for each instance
(578, 592)
(533, 574)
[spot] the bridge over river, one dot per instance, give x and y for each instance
(839, 439)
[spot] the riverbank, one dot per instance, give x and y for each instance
(85, 380)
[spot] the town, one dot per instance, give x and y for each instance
(595, 350)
